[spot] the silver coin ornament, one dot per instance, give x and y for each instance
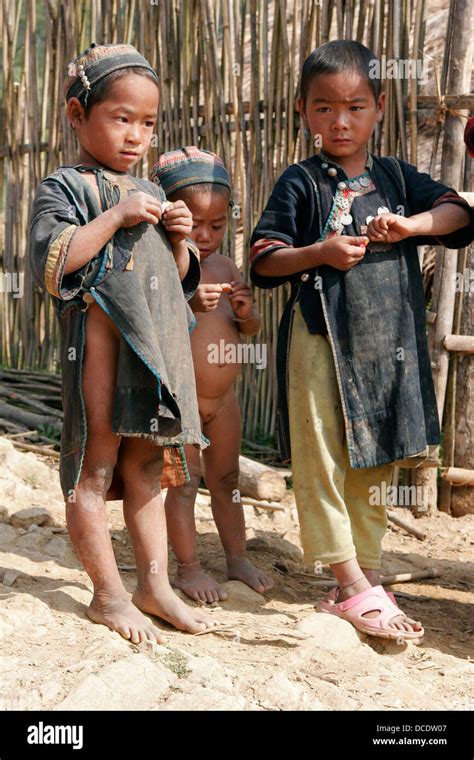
(354, 185)
(342, 202)
(346, 219)
(364, 182)
(383, 210)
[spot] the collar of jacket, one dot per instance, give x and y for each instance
(368, 164)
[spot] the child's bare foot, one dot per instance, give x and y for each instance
(161, 601)
(240, 569)
(119, 614)
(199, 586)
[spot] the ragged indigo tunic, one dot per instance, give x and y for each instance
(374, 313)
(134, 279)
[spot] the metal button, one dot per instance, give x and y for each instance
(332, 172)
(341, 185)
(305, 277)
(88, 298)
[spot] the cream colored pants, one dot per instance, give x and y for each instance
(337, 522)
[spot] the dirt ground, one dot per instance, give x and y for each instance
(274, 652)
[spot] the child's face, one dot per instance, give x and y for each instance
(118, 130)
(210, 214)
(342, 109)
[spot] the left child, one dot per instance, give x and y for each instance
(119, 268)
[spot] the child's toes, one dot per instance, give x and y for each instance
(198, 627)
(152, 634)
(266, 582)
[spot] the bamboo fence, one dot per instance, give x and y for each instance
(229, 73)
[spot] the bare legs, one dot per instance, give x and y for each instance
(222, 425)
(86, 509)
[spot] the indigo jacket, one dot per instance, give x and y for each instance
(134, 279)
(374, 313)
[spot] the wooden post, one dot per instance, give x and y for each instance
(458, 64)
(462, 497)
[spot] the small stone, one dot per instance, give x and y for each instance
(7, 534)
(332, 633)
(32, 516)
(57, 547)
(10, 577)
(29, 540)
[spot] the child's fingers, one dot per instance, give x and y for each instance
(240, 298)
(357, 250)
(177, 213)
(148, 216)
(241, 287)
(184, 230)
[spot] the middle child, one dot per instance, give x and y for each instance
(223, 304)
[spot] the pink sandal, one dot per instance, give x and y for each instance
(374, 599)
(333, 594)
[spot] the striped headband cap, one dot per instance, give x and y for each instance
(96, 62)
(189, 166)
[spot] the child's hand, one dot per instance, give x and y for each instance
(389, 228)
(343, 251)
(138, 207)
(207, 296)
(241, 300)
(178, 221)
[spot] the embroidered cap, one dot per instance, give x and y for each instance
(96, 62)
(189, 166)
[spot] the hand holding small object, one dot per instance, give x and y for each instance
(241, 300)
(207, 295)
(138, 207)
(177, 220)
(342, 251)
(389, 228)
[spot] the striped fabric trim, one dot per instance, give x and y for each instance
(451, 197)
(266, 246)
(192, 247)
(56, 260)
(175, 469)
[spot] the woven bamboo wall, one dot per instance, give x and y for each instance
(229, 77)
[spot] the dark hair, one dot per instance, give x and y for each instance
(337, 57)
(201, 187)
(100, 89)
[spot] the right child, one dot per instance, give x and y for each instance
(224, 310)
(355, 386)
